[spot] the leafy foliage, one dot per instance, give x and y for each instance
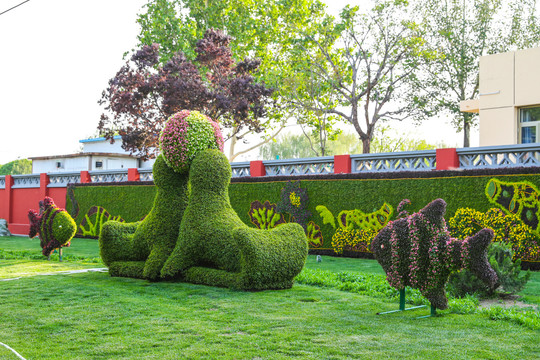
(519, 198)
(145, 92)
(417, 251)
(314, 235)
(265, 30)
(352, 240)
(16, 167)
(369, 61)
(508, 272)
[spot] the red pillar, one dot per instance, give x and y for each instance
(447, 159)
(133, 175)
(85, 177)
(342, 164)
(9, 197)
(43, 182)
(256, 168)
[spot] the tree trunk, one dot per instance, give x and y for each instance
(466, 130)
(232, 145)
(366, 145)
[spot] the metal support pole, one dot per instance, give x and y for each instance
(401, 304)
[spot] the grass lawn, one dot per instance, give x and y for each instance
(94, 316)
(87, 248)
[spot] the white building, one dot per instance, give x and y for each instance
(97, 154)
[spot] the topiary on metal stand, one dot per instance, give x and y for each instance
(417, 251)
(54, 226)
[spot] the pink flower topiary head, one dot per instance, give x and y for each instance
(184, 135)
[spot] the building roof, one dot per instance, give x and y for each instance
(116, 137)
(83, 154)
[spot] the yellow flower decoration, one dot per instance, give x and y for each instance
(295, 200)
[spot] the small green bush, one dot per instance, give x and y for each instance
(508, 272)
(216, 248)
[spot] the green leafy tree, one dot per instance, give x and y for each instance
(260, 29)
(369, 61)
(293, 146)
(16, 167)
(290, 146)
(460, 32)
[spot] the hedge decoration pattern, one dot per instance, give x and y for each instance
(54, 226)
(508, 229)
(94, 220)
(314, 235)
(417, 251)
(519, 198)
(216, 248)
(264, 216)
(294, 201)
(356, 229)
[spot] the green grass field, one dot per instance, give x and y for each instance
(94, 316)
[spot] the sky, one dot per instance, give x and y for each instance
(56, 58)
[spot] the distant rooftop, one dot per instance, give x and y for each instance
(116, 137)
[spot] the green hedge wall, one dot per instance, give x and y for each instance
(365, 192)
(368, 195)
(130, 202)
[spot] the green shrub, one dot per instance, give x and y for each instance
(216, 248)
(151, 240)
(525, 317)
(508, 272)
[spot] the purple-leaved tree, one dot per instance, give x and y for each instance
(145, 92)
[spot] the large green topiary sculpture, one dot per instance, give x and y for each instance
(216, 248)
(140, 249)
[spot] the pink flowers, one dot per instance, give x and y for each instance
(185, 134)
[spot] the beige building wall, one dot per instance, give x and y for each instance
(508, 82)
(527, 77)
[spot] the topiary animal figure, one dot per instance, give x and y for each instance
(141, 248)
(54, 226)
(216, 248)
(417, 251)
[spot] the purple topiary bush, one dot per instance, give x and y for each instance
(184, 135)
(417, 251)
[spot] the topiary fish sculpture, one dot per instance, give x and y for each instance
(54, 226)
(417, 251)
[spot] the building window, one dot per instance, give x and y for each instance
(529, 124)
(59, 165)
(99, 164)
